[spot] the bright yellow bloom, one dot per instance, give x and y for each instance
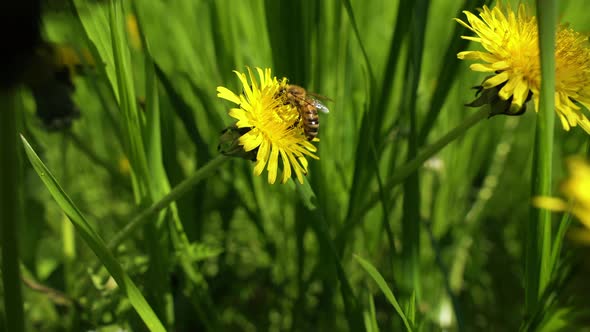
(576, 188)
(511, 43)
(272, 124)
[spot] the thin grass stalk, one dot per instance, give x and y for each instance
(128, 104)
(411, 203)
(401, 173)
(94, 241)
(538, 258)
(68, 237)
(68, 240)
(448, 71)
(10, 211)
(402, 25)
(177, 192)
(383, 197)
(370, 123)
(146, 190)
(351, 305)
(446, 276)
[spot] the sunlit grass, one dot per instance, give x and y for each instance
(434, 196)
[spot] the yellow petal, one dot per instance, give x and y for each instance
(238, 114)
(508, 89)
(496, 80)
(245, 85)
(225, 93)
(273, 164)
(286, 167)
(296, 168)
(252, 139)
(480, 67)
(521, 91)
(261, 158)
(550, 203)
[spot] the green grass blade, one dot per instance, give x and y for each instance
(307, 195)
(564, 225)
(411, 309)
(538, 269)
(411, 204)
(128, 102)
(372, 271)
(178, 191)
(449, 71)
(144, 151)
(10, 210)
(357, 34)
(369, 124)
(93, 240)
(371, 317)
(383, 198)
(400, 174)
(290, 55)
(94, 21)
(402, 24)
(155, 154)
(351, 305)
(184, 112)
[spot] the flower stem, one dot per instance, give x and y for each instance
(10, 211)
(163, 203)
(538, 259)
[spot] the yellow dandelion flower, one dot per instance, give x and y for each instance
(576, 188)
(511, 43)
(268, 126)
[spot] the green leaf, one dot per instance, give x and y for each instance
(307, 195)
(371, 317)
(11, 208)
(372, 271)
(412, 308)
(538, 259)
(94, 21)
(93, 240)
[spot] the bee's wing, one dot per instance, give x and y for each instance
(320, 107)
(319, 97)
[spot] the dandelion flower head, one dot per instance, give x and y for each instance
(272, 125)
(511, 43)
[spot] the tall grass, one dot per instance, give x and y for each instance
(539, 267)
(11, 208)
(430, 197)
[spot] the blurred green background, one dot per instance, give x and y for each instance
(262, 259)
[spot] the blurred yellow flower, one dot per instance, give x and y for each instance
(133, 31)
(511, 44)
(124, 165)
(576, 189)
(269, 125)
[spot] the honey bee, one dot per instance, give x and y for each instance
(308, 106)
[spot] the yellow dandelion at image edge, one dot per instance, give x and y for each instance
(575, 189)
(512, 57)
(262, 108)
